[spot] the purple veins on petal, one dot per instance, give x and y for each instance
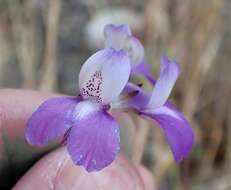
(51, 120)
(94, 141)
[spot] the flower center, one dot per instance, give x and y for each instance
(84, 108)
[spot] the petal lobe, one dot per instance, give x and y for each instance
(169, 73)
(50, 120)
(176, 129)
(94, 142)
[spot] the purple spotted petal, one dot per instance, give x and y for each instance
(176, 129)
(169, 73)
(94, 141)
(50, 120)
(104, 75)
(143, 69)
(116, 36)
(90, 75)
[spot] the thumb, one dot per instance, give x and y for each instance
(57, 171)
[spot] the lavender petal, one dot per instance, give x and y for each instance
(116, 36)
(50, 120)
(119, 37)
(139, 101)
(94, 141)
(169, 73)
(176, 129)
(143, 69)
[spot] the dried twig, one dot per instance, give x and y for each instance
(49, 76)
(22, 19)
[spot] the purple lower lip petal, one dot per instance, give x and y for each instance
(94, 142)
(176, 129)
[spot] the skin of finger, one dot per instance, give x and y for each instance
(16, 106)
(147, 177)
(57, 171)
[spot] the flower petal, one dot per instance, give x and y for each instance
(120, 38)
(135, 50)
(50, 120)
(169, 73)
(104, 75)
(116, 36)
(90, 76)
(139, 101)
(143, 69)
(94, 141)
(176, 129)
(115, 76)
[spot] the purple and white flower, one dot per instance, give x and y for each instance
(92, 134)
(85, 122)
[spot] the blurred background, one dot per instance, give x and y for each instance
(43, 44)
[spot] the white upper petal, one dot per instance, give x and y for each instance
(104, 75)
(115, 75)
(169, 73)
